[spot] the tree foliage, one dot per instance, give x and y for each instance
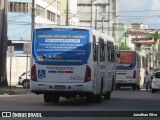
(154, 35)
(123, 47)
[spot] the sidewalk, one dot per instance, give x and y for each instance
(13, 90)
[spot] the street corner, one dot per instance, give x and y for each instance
(7, 92)
(13, 91)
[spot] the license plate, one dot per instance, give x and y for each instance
(60, 87)
(119, 81)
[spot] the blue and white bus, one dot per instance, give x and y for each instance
(131, 69)
(72, 61)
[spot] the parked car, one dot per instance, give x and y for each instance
(156, 82)
(24, 80)
(155, 70)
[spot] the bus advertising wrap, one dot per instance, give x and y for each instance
(127, 57)
(61, 46)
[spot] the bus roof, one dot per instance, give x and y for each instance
(95, 32)
(45, 27)
(128, 50)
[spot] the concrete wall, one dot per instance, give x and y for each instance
(18, 67)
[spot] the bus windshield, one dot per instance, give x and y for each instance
(126, 59)
(61, 46)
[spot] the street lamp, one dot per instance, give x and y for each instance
(125, 35)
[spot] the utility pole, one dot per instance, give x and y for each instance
(3, 42)
(102, 24)
(32, 27)
(96, 18)
(33, 18)
(109, 16)
(67, 13)
(91, 14)
(57, 12)
(125, 36)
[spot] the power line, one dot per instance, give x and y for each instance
(46, 7)
(82, 8)
(141, 11)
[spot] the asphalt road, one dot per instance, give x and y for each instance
(121, 100)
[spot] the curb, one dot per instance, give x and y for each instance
(14, 92)
(4, 92)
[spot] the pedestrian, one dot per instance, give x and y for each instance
(148, 80)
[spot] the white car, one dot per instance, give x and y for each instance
(24, 80)
(156, 82)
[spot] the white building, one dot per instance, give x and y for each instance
(47, 12)
(98, 14)
(69, 13)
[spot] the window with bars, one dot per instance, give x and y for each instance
(103, 9)
(51, 16)
(19, 7)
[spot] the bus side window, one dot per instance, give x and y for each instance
(102, 54)
(109, 50)
(94, 49)
(112, 52)
(138, 61)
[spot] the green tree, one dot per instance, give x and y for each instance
(154, 35)
(123, 47)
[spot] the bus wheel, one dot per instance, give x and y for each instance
(98, 98)
(117, 87)
(134, 87)
(89, 98)
(47, 98)
(138, 88)
(153, 91)
(107, 95)
(55, 99)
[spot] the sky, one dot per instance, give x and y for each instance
(140, 11)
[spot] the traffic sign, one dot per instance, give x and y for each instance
(10, 51)
(27, 48)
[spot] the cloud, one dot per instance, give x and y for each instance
(156, 14)
(133, 5)
(155, 5)
(148, 15)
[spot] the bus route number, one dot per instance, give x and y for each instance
(76, 78)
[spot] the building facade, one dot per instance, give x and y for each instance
(98, 14)
(122, 38)
(69, 15)
(47, 12)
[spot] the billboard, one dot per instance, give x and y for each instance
(127, 57)
(61, 46)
